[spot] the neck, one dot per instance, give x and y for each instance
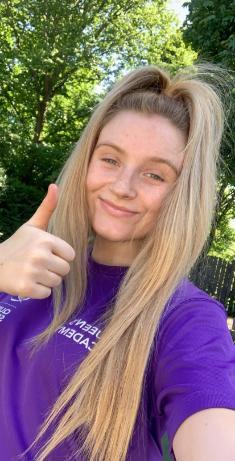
(114, 253)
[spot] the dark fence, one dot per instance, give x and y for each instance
(233, 335)
(216, 276)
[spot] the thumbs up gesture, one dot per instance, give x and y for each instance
(32, 260)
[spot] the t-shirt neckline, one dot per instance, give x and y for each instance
(105, 268)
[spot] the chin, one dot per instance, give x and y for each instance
(111, 234)
(113, 237)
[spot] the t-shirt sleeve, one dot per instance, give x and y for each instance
(194, 364)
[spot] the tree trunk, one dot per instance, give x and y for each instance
(42, 108)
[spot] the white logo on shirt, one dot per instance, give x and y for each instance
(19, 299)
(6, 307)
(80, 338)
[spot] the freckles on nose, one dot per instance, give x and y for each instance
(124, 180)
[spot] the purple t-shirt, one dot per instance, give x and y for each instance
(192, 365)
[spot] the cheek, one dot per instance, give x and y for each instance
(89, 186)
(95, 177)
(89, 177)
(92, 184)
(153, 201)
(152, 205)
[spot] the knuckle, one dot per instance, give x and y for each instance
(35, 255)
(66, 269)
(58, 280)
(44, 293)
(24, 288)
(29, 271)
(48, 292)
(72, 254)
(38, 256)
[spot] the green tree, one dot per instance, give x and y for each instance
(56, 58)
(210, 29)
(47, 47)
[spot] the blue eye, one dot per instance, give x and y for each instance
(157, 178)
(107, 160)
(112, 161)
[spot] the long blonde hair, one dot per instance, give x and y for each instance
(102, 398)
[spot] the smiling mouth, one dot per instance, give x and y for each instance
(115, 211)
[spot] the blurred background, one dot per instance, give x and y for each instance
(59, 57)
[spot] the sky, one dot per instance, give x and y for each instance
(179, 10)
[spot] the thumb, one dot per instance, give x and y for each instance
(41, 217)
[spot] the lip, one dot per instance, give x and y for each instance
(115, 210)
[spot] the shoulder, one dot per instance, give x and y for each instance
(188, 296)
(190, 307)
(187, 291)
(193, 365)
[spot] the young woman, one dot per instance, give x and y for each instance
(108, 350)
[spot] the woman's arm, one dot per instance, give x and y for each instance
(206, 435)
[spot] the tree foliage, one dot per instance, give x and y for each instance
(56, 58)
(210, 29)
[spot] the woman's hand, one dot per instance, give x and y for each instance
(32, 261)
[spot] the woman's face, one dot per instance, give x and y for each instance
(134, 165)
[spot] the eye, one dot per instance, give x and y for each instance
(108, 160)
(156, 177)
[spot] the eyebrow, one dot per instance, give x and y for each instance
(153, 159)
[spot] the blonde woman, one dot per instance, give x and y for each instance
(107, 348)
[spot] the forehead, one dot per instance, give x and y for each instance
(145, 133)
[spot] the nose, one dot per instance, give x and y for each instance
(124, 184)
